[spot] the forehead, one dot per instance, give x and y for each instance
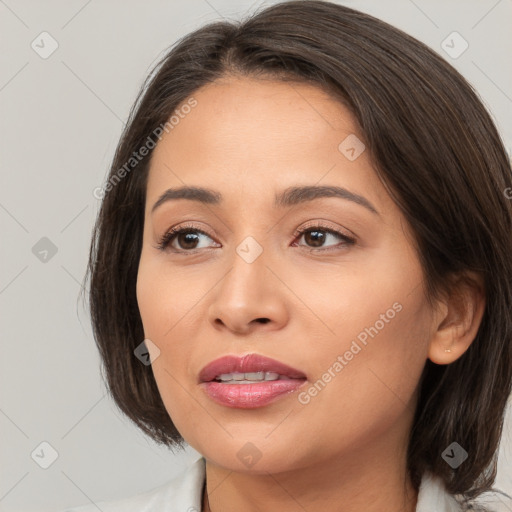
(253, 135)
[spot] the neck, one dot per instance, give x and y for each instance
(362, 481)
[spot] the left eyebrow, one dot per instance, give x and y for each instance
(291, 196)
(296, 195)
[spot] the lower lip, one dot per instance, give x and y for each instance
(250, 396)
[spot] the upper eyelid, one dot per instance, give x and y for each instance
(326, 225)
(319, 223)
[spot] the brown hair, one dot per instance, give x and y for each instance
(434, 146)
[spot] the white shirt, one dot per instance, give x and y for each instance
(185, 492)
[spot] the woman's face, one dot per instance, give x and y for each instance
(350, 315)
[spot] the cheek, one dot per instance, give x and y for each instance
(372, 369)
(147, 297)
(166, 298)
(368, 363)
(168, 309)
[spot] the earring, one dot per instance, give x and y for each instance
(447, 349)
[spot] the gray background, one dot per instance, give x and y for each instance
(61, 117)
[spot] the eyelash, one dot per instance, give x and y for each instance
(168, 237)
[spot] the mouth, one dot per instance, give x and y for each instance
(250, 381)
(249, 378)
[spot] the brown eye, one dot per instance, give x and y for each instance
(187, 239)
(316, 236)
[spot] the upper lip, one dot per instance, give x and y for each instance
(246, 364)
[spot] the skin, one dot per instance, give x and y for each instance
(345, 449)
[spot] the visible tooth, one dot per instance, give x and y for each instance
(249, 377)
(255, 376)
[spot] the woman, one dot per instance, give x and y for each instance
(301, 268)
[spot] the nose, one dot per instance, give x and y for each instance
(248, 298)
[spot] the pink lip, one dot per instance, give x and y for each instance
(249, 396)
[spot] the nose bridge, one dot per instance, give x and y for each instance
(253, 249)
(251, 236)
(248, 290)
(248, 269)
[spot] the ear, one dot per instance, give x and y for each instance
(457, 319)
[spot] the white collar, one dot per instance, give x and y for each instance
(433, 496)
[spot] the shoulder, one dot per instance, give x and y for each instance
(183, 494)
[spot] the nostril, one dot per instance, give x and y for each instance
(263, 320)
